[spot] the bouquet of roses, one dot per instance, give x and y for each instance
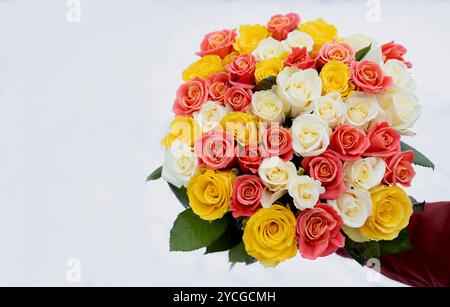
(286, 140)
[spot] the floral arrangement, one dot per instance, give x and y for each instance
(286, 140)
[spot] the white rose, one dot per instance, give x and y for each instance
(402, 80)
(179, 165)
(210, 115)
(358, 41)
(305, 191)
(331, 108)
(298, 39)
(268, 48)
(276, 173)
(361, 109)
(354, 206)
(310, 135)
(298, 89)
(401, 110)
(365, 173)
(267, 106)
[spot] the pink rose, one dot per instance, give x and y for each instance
(384, 141)
(348, 143)
(247, 193)
(319, 231)
(215, 150)
(300, 58)
(217, 86)
(341, 52)
(249, 158)
(218, 43)
(190, 97)
(280, 25)
(328, 169)
(277, 141)
(368, 77)
(238, 98)
(242, 70)
(393, 51)
(399, 169)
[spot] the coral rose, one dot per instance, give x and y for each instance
(190, 97)
(247, 193)
(215, 150)
(277, 141)
(300, 58)
(249, 158)
(369, 77)
(393, 51)
(341, 52)
(280, 25)
(217, 86)
(348, 143)
(242, 70)
(238, 98)
(217, 43)
(399, 169)
(384, 141)
(328, 169)
(318, 231)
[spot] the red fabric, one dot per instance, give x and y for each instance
(427, 264)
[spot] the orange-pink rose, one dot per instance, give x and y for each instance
(319, 231)
(393, 51)
(348, 143)
(341, 52)
(384, 141)
(277, 141)
(238, 98)
(190, 97)
(301, 59)
(328, 169)
(280, 25)
(217, 86)
(215, 150)
(369, 77)
(249, 158)
(242, 71)
(399, 169)
(217, 43)
(247, 193)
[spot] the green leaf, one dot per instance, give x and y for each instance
(362, 53)
(420, 158)
(156, 174)
(190, 232)
(181, 194)
(239, 254)
(229, 239)
(398, 245)
(266, 84)
(362, 252)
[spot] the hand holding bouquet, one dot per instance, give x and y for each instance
(287, 140)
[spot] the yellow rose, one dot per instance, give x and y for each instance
(391, 210)
(269, 235)
(209, 193)
(204, 67)
(336, 78)
(320, 31)
(249, 38)
(184, 129)
(267, 68)
(243, 126)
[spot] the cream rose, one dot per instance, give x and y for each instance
(276, 174)
(268, 48)
(298, 39)
(298, 89)
(305, 191)
(354, 206)
(361, 109)
(331, 108)
(358, 41)
(267, 106)
(210, 115)
(310, 135)
(402, 80)
(364, 173)
(401, 110)
(179, 165)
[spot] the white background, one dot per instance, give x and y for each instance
(83, 107)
